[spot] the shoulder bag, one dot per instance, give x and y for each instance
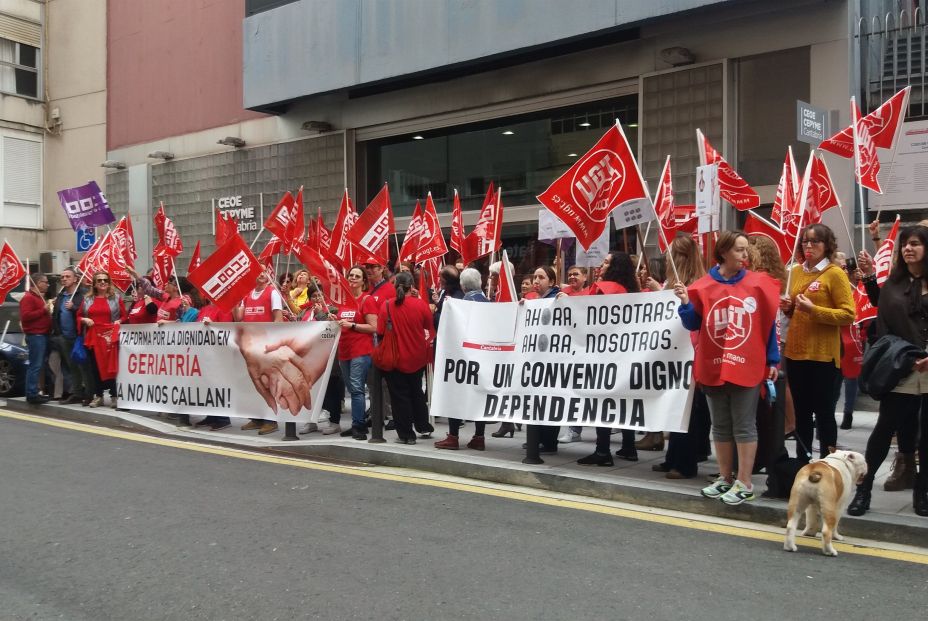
(387, 352)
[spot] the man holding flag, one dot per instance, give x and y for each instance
(36, 318)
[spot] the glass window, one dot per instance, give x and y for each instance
(521, 154)
(18, 69)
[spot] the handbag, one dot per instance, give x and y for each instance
(387, 352)
(79, 352)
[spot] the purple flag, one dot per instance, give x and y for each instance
(86, 206)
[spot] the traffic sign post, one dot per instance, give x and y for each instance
(85, 239)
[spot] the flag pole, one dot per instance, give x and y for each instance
(255, 240)
(803, 198)
(860, 188)
(176, 278)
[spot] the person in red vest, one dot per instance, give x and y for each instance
(262, 304)
(576, 281)
(734, 311)
(144, 309)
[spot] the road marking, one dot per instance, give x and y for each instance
(552, 499)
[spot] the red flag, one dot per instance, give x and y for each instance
(88, 263)
(755, 225)
(487, 234)
(431, 240)
(732, 187)
(169, 240)
(457, 225)
(794, 221)
(164, 270)
(663, 206)
(507, 286)
(195, 259)
(866, 162)
(411, 240)
(335, 287)
(11, 270)
(340, 248)
(864, 309)
(323, 235)
(225, 228)
(372, 230)
(884, 124)
(228, 274)
(822, 195)
(604, 178)
(274, 246)
(787, 189)
(280, 222)
(297, 223)
(113, 261)
(883, 259)
(125, 243)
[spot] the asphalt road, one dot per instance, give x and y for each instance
(97, 528)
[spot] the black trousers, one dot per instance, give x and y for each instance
(812, 385)
(98, 385)
(409, 406)
(604, 440)
(334, 396)
(902, 415)
(684, 449)
(454, 425)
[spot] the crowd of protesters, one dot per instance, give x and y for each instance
(800, 359)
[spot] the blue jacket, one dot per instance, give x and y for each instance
(692, 321)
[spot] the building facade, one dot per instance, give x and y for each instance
(251, 98)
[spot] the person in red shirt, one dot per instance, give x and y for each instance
(358, 321)
(144, 309)
(576, 281)
(101, 311)
(381, 289)
(263, 304)
(412, 325)
(36, 319)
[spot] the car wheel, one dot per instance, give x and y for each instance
(7, 378)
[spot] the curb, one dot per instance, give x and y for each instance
(892, 528)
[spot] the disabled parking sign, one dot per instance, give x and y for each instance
(85, 238)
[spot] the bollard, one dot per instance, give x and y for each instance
(532, 439)
(375, 384)
(290, 432)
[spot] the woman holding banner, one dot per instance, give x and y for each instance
(101, 310)
(617, 277)
(543, 286)
(734, 311)
(685, 449)
(819, 302)
(411, 322)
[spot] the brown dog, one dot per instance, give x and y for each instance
(823, 487)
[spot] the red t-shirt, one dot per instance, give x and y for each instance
(572, 292)
(214, 313)
(383, 291)
(106, 350)
(607, 287)
(139, 313)
(531, 295)
(169, 308)
(353, 344)
(414, 328)
(99, 311)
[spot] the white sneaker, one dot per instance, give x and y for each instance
(308, 428)
(96, 402)
(569, 436)
(323, 417)
(330, 428)
(738, 493)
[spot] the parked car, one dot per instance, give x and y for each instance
(14, 359)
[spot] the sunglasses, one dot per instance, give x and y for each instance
(103, 280)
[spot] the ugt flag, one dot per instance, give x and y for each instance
(606, 177)
(86, 206)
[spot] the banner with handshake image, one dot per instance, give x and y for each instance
(598, 360)
(274, 371)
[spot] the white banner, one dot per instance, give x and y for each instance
(274, 371)
(551, 227)
(596, 254)
(605, 360)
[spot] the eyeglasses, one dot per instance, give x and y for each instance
(811, 242)
(103, 280)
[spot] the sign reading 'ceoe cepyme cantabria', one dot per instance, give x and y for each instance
(274, 371)
(605, 360)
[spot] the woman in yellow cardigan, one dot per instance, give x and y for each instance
(818, 302)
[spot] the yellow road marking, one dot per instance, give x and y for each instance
(371, 473)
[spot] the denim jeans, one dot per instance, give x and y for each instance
(354, 374)
(37, 344)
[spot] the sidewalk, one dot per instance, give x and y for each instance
(890, 519)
